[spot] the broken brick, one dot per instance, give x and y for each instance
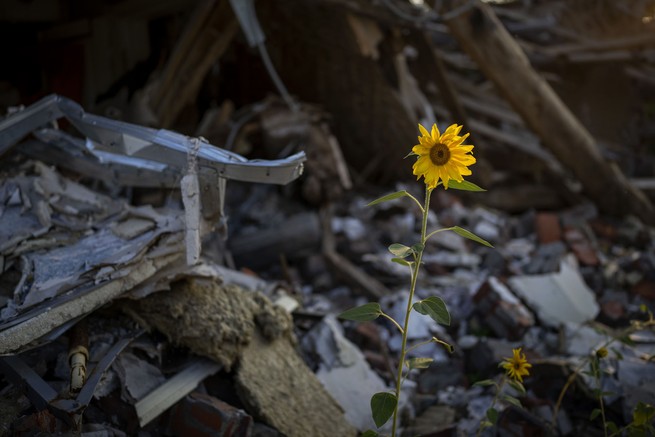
(202, 415)
(548, 227)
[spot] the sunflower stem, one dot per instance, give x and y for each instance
(412, 289)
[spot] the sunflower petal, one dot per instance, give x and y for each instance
(423, 130)
(435, 133)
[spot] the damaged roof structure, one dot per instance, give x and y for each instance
(182, 214)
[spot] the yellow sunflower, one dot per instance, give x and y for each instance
(517, 366)
(442, 156)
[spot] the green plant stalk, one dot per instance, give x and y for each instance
(595, 363)
(634, 326)
(499, 388)
(412, 288)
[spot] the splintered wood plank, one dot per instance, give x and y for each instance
(207, 36)
(487, 42)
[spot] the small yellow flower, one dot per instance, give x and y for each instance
(442, 156)
(517, 366)
(601, 353)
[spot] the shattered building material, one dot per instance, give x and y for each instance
(133, 250)
(277, 387)
(211, 319)
(207, 36)
(557, 297)
(167, 394)
(502, 311)
(503, 61)
(383, 67)
(344, 372)
(202, 415)
(43, 396)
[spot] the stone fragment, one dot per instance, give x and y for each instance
(501, 310)
(613, 310)
(546, 258)
(581, 247)
(433, 422)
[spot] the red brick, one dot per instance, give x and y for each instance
(203, 415)
(548, 227)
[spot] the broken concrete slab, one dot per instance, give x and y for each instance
(278, 388)
(344, 371)
(557, 297)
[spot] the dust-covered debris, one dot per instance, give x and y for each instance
(277, 387)
(212, 320)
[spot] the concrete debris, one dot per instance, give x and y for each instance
(557, 297)
(502, 311)
(344, 372)
(138, 377)
(270, 371)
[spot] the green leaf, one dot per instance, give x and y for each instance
(492, 415)
(370, 433)
(595, 412)
(643, 414)
(401, 261)
(418, 247)
(435, 308)
(383, 405)
(516, 386)
(470, 235)
(464, 185)
(611, 426)
(512, 400)
(400, 250)
(388, 197)
(363, 313)
(484, 383)
(419, 363)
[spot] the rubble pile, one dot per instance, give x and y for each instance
(174, 251)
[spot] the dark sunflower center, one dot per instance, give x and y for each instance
(517, 366)
(439, 154)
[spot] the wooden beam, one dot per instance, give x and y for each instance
(481, 34)
(207, 36)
